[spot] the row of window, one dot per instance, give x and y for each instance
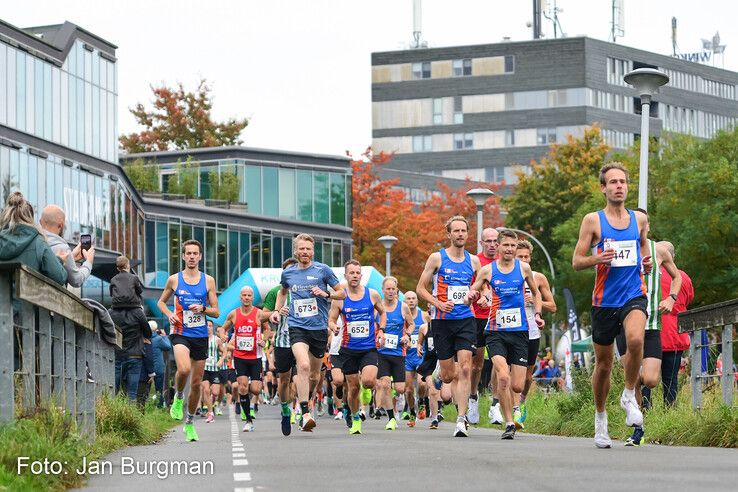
(444, 142)
(617, 139)
(417, 195)
(75, 106)
(616, 69)
(490, 174)
(694, 122)
(227, 251)
(696, 83)
(299, 194)
(610, 101)
(442, 69)
(460, 68)
(93, 204)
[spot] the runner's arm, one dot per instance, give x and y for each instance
(214, 312)
(336, 293)
(333, 313)
(380, 309)
(431, 266)
(528, 273)
(581, 259)
(483, 276)
(548, 302)
(421, 337)
(409, 321)
(164, 299)
(646, 261)
(667, 261)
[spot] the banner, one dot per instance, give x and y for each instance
(573, 321)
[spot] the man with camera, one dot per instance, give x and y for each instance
(53, 222)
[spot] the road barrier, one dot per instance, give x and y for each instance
(52, 350)
(700, 323)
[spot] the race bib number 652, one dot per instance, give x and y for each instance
(358, 329)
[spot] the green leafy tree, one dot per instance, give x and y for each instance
(184, 181)
(144, 175)
(180, 119)
(226, 187)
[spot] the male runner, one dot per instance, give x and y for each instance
(308, 284)
(337, 379)
(507, 330)
(284, 360)
(400, 325)
(651, 365)
(454, 329)
(194, 298)
(413, 361)
(250, 332)
(211, 377)
(616, 236)
(524, 253)
(480, 308)
(362, 334)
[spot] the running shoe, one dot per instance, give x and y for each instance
(190, 434)
(175, 411)
(602, 438)
(355, 427)
(321, 409)
(308, 424)
(495, 415)
(337, 416)
(434, 424)
(509, 432)
(286, 425)
(248, 427)
(391, 425)
(473, 412)
(461, 430)
(218, 411)
(633, 415)
(362, 414)
(523, 412)
(405, 415)
(517, 415)
(421, 412)
(440, 417)
(211, 417)
(636, 439)
(253, 413)
(411, 422)
(372, 412)
(347, 416)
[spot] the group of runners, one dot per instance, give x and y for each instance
(315, 331)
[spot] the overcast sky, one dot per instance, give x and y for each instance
(300, 70)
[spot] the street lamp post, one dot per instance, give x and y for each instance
(387, 242)
(480, 196)
(647, 82)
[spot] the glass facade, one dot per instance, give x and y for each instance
(75, 105)
(291, 193)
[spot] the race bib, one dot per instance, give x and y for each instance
(390, 341)
(193, 320)
(413, 341)
(625, 253)
(509, 318)
(430, 343)
(456, 293)
(245, 343)
(305, 308)
(358, 329)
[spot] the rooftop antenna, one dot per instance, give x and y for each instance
(536, 19)
(618, 20)
(417, 25)
(673, 36)
(551, 12)
(716, 48)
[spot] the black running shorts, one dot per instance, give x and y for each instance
(392, 366)
(251, 368)
(651, 344)
(452, 335)
(512, 345)
(607, 322)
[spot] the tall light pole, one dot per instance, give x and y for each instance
(480, 196)
(647, 82)
(387, 242)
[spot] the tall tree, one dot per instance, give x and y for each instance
(181, 119)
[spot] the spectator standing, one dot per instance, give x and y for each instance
(53, 222)
(673, 344)
(23, 241)
(127, 314)
(159, 344)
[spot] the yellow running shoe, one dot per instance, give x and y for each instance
(355, 427)
(391, 425)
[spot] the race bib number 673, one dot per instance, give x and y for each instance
(305, 308)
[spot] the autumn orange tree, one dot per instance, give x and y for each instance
(180, 119)
(379, 208)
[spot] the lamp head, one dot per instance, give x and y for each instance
(480, 196)
(387, 241)
(646, 81)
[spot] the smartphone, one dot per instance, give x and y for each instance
(86, 241)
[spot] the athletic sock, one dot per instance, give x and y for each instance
(357, 416)
(339, 392)
(246, 406)
(285, 409)
(522, 398)
(495, 401)
(473, 397)
(630, 394)
(390, 414)
(238, 407)
(507, 424)
(516, 408)
(412, 412)
(304, 407)
(190, 417)
(600, 415)
(180, 395)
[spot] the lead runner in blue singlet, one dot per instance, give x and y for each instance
(194, 298)
(454, 329)
(615, 236)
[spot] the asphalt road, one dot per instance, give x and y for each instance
(408, 459)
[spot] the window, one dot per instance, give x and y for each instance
(287, 193)
(458, 111)
(421, 70)
(545, 136)
(321, 197)
(338, 199)
(253, 189)
(437, 111)
(509, 138)
(509, 63)
(304, 195)
(271, 199)
(221, 259)
(422, 143)
(463, 67)
(463, 141)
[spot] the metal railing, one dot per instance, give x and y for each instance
(698, 322)
(208, 202)
(51, 350)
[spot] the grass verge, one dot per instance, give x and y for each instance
(572, 414)
(50, 434)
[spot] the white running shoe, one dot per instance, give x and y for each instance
(461, 430)
(472, 413)
(495, 414)
(248, 427)
(602, 438)
(633, 415)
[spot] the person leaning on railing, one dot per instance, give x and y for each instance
(22, 240)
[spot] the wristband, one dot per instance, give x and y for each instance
(539, 314)
(673, 296)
